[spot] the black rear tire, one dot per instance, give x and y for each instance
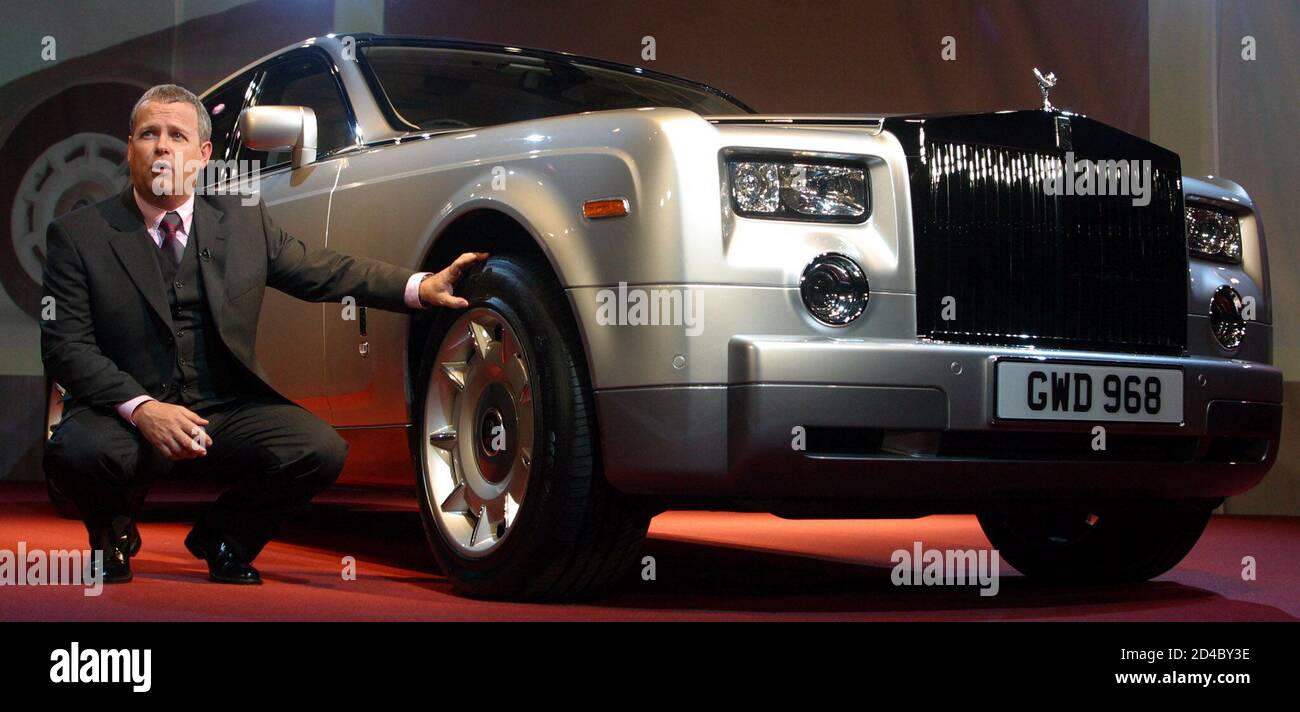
(1111, 543)
(574, 537)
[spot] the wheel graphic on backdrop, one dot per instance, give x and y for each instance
(67, 152)
(78, 171)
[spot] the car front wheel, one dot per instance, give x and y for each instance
(511, 491)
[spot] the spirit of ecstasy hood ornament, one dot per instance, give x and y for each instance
(1045, 84)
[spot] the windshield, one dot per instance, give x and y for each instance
(436, 88)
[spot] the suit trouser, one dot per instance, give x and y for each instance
(276, 455)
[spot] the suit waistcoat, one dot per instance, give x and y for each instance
(205, 373)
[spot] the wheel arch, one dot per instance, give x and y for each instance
(494, 228)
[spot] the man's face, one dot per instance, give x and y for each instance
(165, 152)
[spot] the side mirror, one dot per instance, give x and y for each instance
(276, 128)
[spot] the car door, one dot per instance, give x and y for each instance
(289, 337)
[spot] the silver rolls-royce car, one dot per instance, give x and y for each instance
(691, 305)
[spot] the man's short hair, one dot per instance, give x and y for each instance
(170, 94)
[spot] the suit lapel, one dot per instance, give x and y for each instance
(135, 248)
(211, 237)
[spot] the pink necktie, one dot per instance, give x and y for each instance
(170, 224)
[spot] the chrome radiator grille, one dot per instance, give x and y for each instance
(1021, 266)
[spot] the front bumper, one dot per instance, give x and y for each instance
(900, 420)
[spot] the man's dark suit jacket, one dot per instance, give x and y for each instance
(111, 336)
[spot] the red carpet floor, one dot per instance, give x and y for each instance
(710, 566)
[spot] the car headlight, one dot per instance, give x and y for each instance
(1213, 233)
(799, 189)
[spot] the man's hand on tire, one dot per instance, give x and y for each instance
(437, 289)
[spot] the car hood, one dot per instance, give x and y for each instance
(1029, 130)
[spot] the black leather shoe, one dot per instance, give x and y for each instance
(116, 561)
(224, 565)
(129, 541)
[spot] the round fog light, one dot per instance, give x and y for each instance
(1225, 318)
(834, 289)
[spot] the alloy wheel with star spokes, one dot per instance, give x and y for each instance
(512, 496)
(479, 417)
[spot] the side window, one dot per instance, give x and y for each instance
(223, 107)
(304, 80)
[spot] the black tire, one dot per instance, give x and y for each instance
(574, 537)
(1114, 543)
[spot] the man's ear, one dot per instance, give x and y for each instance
(206, 151)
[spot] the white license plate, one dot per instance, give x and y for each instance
(1043, 390)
